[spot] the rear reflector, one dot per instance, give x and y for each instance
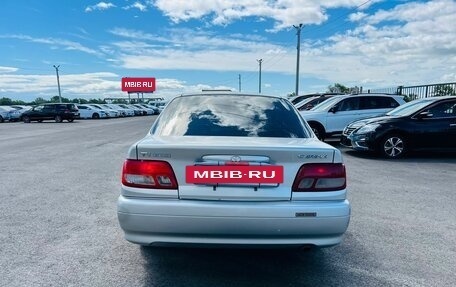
(320, 177)
(148, 174)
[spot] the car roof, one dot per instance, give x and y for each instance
(367, 95)
(224, 93)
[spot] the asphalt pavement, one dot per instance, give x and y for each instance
(59, 183)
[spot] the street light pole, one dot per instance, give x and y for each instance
(298, 32)
(259, 82)
(58, 82)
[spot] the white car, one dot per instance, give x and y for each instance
(3, 115)
(154, 109)
(330, 117)
(112, 113)
(233, 169)
(10, 113)
(90, 112)
(123, 112)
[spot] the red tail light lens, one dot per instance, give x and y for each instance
(148, 174)
(320, 177)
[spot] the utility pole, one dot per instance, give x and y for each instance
(298, 32)
(259, 82)
(58, 81)
(239, 83)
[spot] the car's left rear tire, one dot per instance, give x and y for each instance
(58, 119)
(393, 146)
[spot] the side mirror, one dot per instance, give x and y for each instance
(424, 115)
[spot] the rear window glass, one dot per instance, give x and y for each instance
(230, 115)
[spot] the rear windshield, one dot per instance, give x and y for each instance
(230, 115)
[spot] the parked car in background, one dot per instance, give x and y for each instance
(147, 110)
(123, 111)
(422, 124)
(330, 117)
(160, 105)
(3, 114)
(311, 102)
(11, 114)
(21, 109)
(169, 196)
(155, 110)
(297, 99)
(90, 112)
(136, 110)
(56, 112)
(111, 112)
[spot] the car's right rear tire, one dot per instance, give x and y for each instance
(58, 119)
(26, 119)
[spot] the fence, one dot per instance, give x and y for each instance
(423, 91)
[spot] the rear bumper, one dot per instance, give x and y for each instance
(157, 221)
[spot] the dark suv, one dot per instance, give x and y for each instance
(56, 112)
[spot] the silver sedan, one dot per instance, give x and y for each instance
(233, 169)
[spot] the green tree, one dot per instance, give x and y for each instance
(56, 99)
(80, 101)
(410, 97)
(97, 101)
(5, 101)
(38, 101)
(443, 90)
(338, 88)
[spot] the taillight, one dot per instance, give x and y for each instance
(148, 174)
(320, 177)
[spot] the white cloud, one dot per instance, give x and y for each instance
(411, 43)
(449, 77)
(55, 42)
(387, 48)
(285, 13)
(354, 17)
(7, 69)
(100, 7)
(137, 5)
(73, 85)
(378, 54)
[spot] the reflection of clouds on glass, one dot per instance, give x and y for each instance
(227, 115)
(237, 111)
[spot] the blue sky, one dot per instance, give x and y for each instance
(206, 44)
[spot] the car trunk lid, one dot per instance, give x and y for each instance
(190, 151)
